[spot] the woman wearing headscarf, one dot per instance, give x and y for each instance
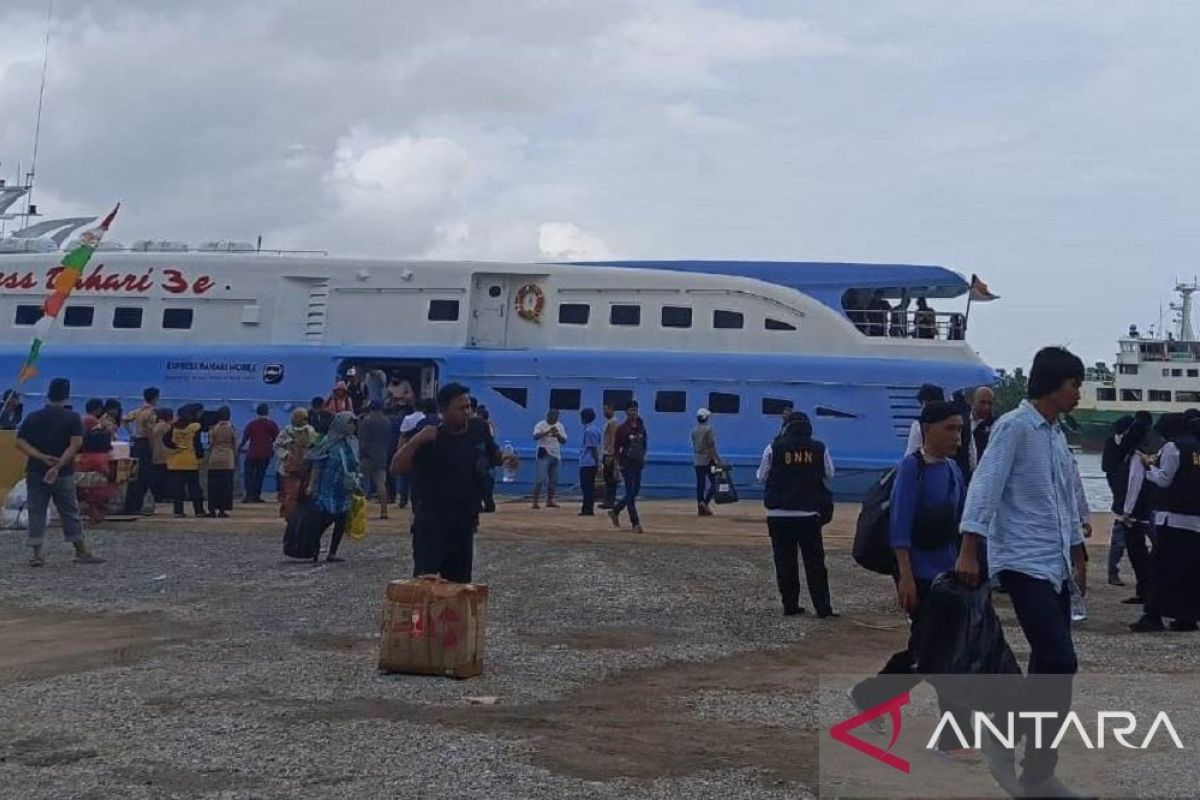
(339, 400)
(222, 461)
(334, 477)
(92, 484)
(1176, 560)
(291, 456)
(184, 451)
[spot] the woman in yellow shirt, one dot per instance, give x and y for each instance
(184, 452)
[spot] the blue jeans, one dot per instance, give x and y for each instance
(547, 475)
(63, 493)
(633, 485)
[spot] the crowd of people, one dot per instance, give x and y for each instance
(992, 502)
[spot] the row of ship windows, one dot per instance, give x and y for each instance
(1152, 395)
(123, 318)
(666, 401)
(1168, 372)
(624, 315)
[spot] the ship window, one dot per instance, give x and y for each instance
(1187, 397)
(574, 313)
(177, 319)
(1176, 373)
(1166, 372)
(1127, 369)
(670, 402)
(566, 399)
(443, 310)
(1160, 396)
(1194, 373)
(125, 317)
(1131, 395)
(619, 399)
(676, 317)
(516, 394)
(79, 316)
(724, 403)
(625, 315)
(729, 320)
(28, 315)
(775, 406)
(778, 325)
(1106, 395)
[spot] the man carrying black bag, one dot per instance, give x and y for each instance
(796, 469)
(926, 506)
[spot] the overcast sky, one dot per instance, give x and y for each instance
(1050, 147)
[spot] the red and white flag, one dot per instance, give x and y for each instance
(980, 293)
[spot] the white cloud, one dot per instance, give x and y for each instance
(565, 241)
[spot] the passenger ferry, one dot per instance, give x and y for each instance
(1154, 373)
(229, 325)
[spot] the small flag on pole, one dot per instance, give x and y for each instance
(980, 293)
(70, 271)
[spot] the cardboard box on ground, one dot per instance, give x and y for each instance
(433, 627)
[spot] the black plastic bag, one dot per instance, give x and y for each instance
(726, 490)
(959, 632)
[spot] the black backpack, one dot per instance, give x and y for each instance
(872, 547)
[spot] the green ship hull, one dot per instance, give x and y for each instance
(1089, 427)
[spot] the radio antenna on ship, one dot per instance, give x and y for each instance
(30, 207)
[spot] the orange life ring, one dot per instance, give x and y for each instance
(531, 300)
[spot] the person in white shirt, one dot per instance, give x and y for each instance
(1176, 555)
(797, 470)
(550, 436)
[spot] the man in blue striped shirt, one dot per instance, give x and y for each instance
(1022, 501)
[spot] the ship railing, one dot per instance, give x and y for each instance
(910, 324)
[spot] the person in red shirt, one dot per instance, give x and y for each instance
(258, 441)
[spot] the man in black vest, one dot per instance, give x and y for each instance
(1176, 558)
(796, 469)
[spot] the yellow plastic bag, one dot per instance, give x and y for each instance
(356, 522)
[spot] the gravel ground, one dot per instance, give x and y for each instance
(198, 663)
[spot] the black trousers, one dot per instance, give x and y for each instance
(135, 493)
(706, 485)
(1044, 613)
(444, 544)
(1175, 568)
(610, 481)
(339, 530)
(186, 483)
(256, 473)
(587, 485)
(1133, 539)
(160, 484)
(220, 489)
(899, 675)
(792, 537)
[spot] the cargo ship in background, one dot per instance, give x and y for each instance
(1152, 372)
(231, 324)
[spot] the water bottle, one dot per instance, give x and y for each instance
(510, 462)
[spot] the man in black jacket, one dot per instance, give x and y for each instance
(796, 469)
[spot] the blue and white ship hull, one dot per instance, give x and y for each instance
(278, 330)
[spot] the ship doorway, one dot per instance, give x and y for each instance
(489, 310)
(420, 375)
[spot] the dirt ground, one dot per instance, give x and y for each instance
(198, 663)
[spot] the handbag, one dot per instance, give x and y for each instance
(356, 519)
(726, 492)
